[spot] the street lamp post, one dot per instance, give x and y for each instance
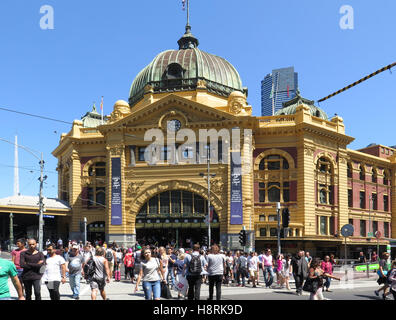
(208, 176)
(85, 230)
(11, 231)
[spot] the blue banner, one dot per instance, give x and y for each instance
(236, 189)
(116, 203)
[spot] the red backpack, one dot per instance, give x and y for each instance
(129, 261)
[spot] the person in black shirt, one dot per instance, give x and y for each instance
(362, 258)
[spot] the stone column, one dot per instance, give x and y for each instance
(306, 189)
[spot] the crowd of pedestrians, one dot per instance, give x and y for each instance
(161, 270)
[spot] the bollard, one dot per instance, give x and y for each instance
(368, 271)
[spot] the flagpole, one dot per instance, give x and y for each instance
(101, 109)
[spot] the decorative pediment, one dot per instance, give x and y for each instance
(191, 111)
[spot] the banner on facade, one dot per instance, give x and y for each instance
(116, 203)
(236, 189)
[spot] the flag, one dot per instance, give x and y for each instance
(184, 4)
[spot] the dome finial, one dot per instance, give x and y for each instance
(187, 41)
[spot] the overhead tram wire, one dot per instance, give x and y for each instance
(34, 115)
(389, 67)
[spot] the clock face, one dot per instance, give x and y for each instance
(174, 125)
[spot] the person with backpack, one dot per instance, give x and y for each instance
(382, 273)
(111, 258)
(137, 256)
(129, 263)
(117, 265)
(100, 275)
(194, 265)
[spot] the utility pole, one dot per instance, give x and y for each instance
(41, 203)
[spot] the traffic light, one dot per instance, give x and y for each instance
(242, 237)
(285, 218)
(205, 240)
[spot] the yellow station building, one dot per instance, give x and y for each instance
(298, 157)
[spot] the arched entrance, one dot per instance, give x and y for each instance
(175, 217)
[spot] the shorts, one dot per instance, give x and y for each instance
(111, 266)
(253, 273)
(97, 284)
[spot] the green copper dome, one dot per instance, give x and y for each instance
(180, 70)
(290, 107)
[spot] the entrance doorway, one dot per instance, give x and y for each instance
(175, 218)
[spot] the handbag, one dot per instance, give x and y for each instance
(165, 292)
(311, 285)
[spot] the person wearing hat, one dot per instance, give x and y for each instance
(75, 264)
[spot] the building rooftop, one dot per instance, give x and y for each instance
(33, 201)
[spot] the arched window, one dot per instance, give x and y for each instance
(274, 189)
(325, 181)
(65, 186)
(374, 175)
(386, 177)
(349, 170)
(96, 190)
(362, 173)
(175, 204)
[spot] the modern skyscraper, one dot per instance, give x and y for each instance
(278, 87)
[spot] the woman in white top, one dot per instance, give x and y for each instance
(164, 258)
(55, 272)
(287, 271)
(215, 267)
(152, 274)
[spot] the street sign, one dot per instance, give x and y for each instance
(378, 234)
(347, 230)
(370, 234)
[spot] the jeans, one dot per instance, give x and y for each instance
(172, 277)
(299, 279)
(327, 283)
(241, 272)
(53, 288)
(215, 280)
(268, 282)
(74, 280)
(28, 289)
(152, 287)
(194, 287)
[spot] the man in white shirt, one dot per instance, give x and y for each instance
(55, 272)
(253, 267)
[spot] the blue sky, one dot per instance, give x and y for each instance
(98, 47)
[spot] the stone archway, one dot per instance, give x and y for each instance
(142, 197)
